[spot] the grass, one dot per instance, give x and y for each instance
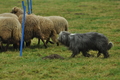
(83, 16)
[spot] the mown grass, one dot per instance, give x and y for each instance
(83, 16)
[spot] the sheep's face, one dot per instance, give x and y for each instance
(14, 10)
(17, 11)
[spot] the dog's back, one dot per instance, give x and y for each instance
(90, 40)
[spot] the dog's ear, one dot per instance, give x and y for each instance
(60, 33)
(71, 36)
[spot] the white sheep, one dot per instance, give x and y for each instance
(60, 23)
(8, 15)
(47, 28)
(10, 31)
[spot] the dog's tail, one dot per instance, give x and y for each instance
(110, 45)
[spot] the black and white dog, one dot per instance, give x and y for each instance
(84, 42)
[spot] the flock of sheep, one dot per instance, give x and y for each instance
(44, 28)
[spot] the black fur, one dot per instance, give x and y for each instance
(84, 42)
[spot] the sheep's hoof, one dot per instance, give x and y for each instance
(57, 43)
(45, 46)
(51, 42)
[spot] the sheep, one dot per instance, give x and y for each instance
(10, 31)
(47, 29)
(32, 29)
(16, 10)
(60, 23)
(84, 42)
(8, 15)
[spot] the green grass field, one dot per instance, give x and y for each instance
(101, 16)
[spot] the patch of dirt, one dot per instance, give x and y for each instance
(53, 56)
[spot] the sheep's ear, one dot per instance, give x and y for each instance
(15, 8)
(12, 8)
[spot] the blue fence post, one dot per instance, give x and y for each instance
(31, 6)
(23, 22)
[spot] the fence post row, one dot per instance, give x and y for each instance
(29, 3)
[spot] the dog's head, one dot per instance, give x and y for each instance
(64, 38)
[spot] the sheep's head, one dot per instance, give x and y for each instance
(17, 11)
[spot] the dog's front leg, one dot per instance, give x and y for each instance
(99, 53)
(74, 53)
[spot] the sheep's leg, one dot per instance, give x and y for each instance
(51, 42)
(44, 43)
(57, 43)
(28, 44)
(1, 46)
(47, 40)
(38, 41)
(55, 40)
(16, 45)
(7, 45)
